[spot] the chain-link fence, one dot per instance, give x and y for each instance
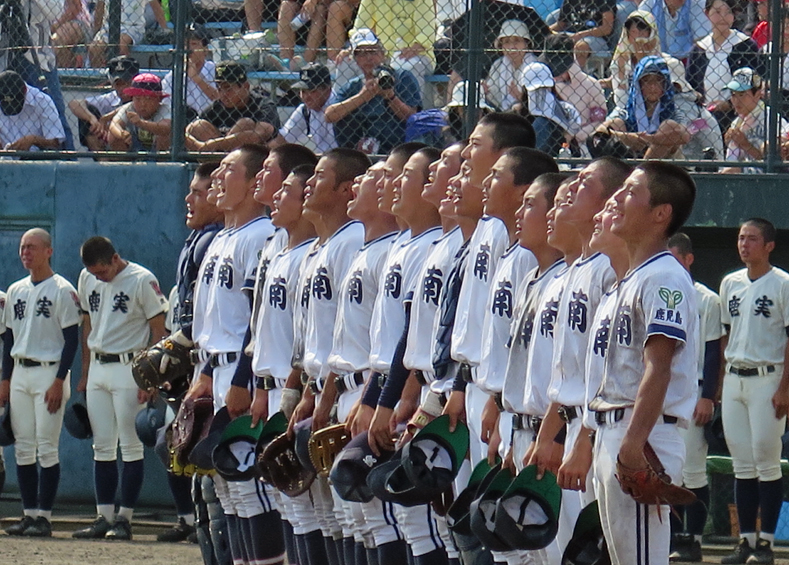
(689, 80)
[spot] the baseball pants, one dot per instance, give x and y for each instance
(419, 528)
(112, 408)
(694, 473)
(37, 432)
(475, 404)
(752, 431)
(637, 534)
(571, 499)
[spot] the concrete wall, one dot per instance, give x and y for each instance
(140, 207)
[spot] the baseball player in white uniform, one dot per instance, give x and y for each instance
(326, 206)
(221, 331)
(123, 312)
(587, 278)
(687, 546)
(649, 378)
(41, 337)
(494, 134)
(755, 398)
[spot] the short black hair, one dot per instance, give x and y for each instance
(551, 182)
(681, 242)
(303, 172)
(432, 155)
(670, 184)
(708, 4)
(616, 171)
(529, 164)
(405, 150)
(97, 249)
(204, 170)
(348, 163)
(253, 155)
(509, 130)
(291, 155)
(765, 226)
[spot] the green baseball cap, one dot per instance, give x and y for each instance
(458, 519)
(527, 514)
(587, 546)
(483, 509)
(432, 459)
(234, 456)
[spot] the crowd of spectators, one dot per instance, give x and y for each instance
(655, 79)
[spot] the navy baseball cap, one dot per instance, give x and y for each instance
(313, 76)
(12, 93)
(231, 72)
(122, 68)
(744, 79)
(351, 468)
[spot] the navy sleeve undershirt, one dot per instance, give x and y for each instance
(712, 367)
(71, 337)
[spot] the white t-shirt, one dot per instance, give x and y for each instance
(710, 326)
(588, 280)
(424, 307)
(273, 343)
(327, 271)
(758, 313)
(488, 242)
(656, 298)
(105, 103)
(38, 117)
(195, 97)
(351, 347)
(222, 307)
(38, 314)
(310, 129)
(511, 271)
(398, 285)
(520, 336)
(119, 310)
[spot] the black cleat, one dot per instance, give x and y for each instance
(19, 528)
(180, 532)
(686, 549)
(97, 530)
(41, 528)
(740, 554)
(120, 530)
(763, 554)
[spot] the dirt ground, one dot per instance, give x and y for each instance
(63, 550)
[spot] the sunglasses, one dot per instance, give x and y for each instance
(640, 24)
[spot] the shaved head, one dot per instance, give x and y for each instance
(40, 234)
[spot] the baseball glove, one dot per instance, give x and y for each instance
(325, 445)
(165, 361)
(651, 485)
(284, 470)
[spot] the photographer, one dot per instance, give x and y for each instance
(370, 111)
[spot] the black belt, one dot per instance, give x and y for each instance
(568, 413)
(342, 386)
(526, 422)
(619, 413)
(752, 372)
(31, 363)
(304, 378)
(497, 398)
(381, 380)
(316, 385)
(113, 358)
(465, 372)
(218, 359)
(269, 382)
(421, 378)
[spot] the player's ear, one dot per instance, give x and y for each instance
(662, 213)
(769, 246)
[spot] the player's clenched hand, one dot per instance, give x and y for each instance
(259, 408)
(303, 410)
(781, 402)
(362, 419)
(54, 396)
(455, 408)
(632, 456)
(202, 386)
(320, 418)
(352, 416)
(545, 456)
(703, 411)
(380, 435)
(494, 442)
(509, 461)
(5, 391)
(490, 420)
(237, 401)
(144, 396)
(575, 468)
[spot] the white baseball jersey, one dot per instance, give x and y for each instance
(273, 331)
(596, 348)
(656, 298)
(222, 310)
(710, 326)
(424, 308)
(351, 348)
(511, 271)
(119, 310)
(2, 312)
(520, 336)
(488, 242)
(588, 279)
(273, 245)
(398, 285)
(327, 271)
(539, 366)
(758, 313)
(38, 314)
(304, 287)
(170, 321)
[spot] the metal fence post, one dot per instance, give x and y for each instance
(773, 156)
(178, 102)
(474, 46)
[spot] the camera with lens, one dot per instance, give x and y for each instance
(385, 78)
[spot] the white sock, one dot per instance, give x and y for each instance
(126, 513)
(189, 519)
(768, 537)
(46, 514)
(108, 511)
(32, 513)
(751, 537)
